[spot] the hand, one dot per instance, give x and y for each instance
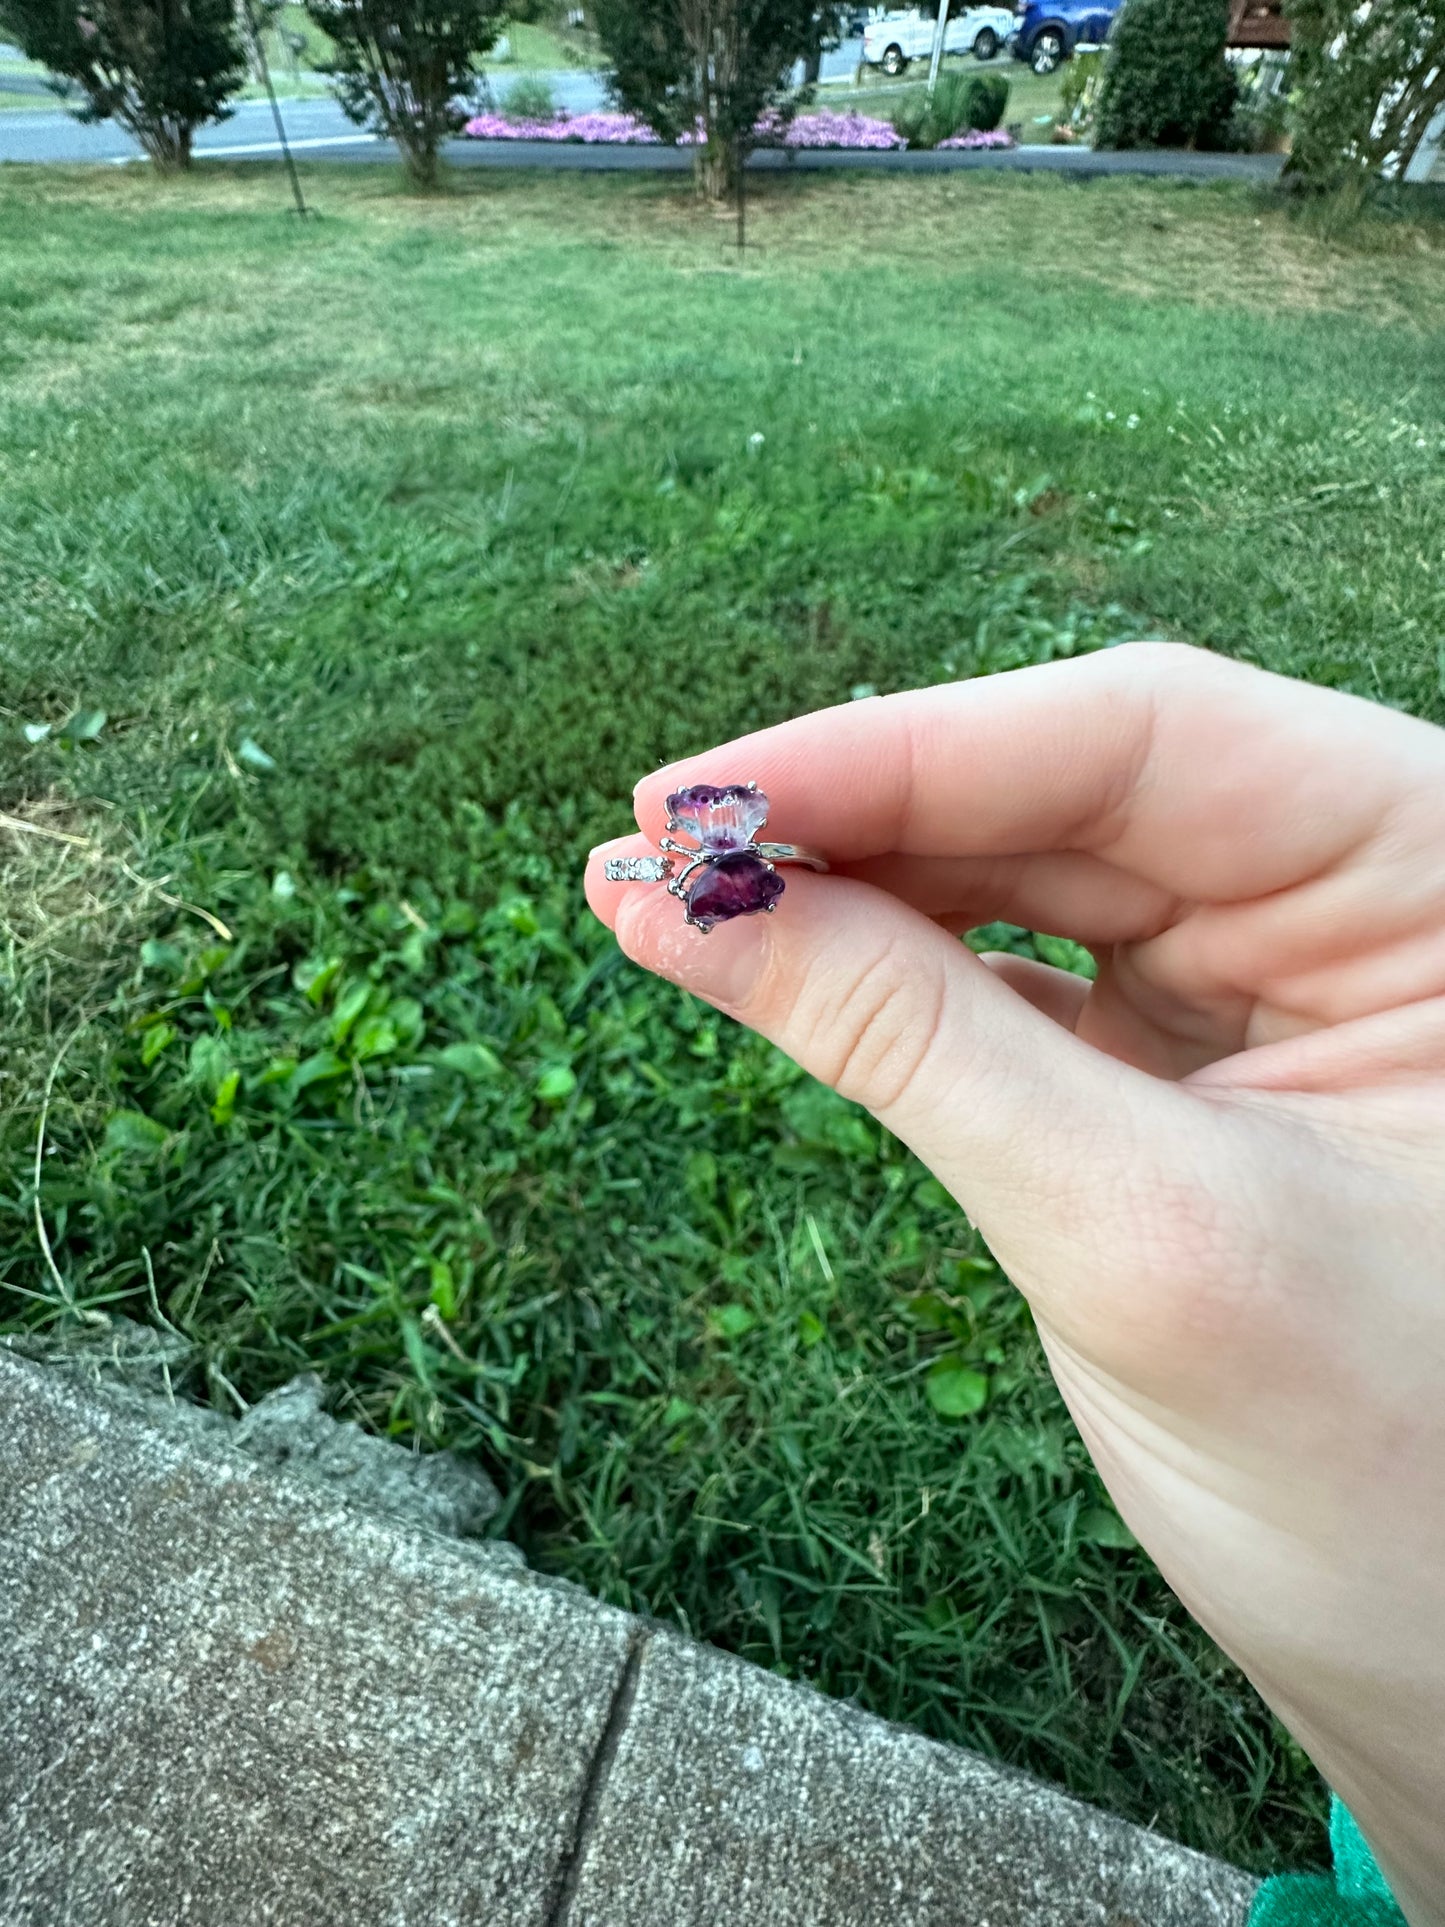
(1217, 1173)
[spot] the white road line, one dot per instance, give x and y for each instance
(261, 147)
(274, 147)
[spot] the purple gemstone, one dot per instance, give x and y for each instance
(722, 819)
(732, 886)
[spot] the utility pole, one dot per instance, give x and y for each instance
(265, 68)
(741, 164)
(935, 59)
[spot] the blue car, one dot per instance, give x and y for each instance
(1046, 32)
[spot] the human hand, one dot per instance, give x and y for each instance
(1217, 1173)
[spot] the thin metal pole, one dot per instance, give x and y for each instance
(940, 27)
(265, 66)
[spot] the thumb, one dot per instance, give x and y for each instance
(1027, 1126)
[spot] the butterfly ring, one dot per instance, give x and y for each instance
(726, 871)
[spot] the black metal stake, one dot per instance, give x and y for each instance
(265, 66)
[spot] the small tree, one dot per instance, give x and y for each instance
(1166, 82)
(408, 68)
(710, 70)
(1365, 84)
(162, 68)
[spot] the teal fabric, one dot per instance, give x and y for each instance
(1354, 1895)
(1356, 1874)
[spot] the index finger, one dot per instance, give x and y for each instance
(1211, 778)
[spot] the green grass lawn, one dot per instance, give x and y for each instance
(22, 88)
(532, 46)
(352, 573)
(537, 47)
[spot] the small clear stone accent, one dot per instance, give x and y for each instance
(636, 869)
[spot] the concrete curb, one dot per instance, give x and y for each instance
(1079, 163)
(234, 1697)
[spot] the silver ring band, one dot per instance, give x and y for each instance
(790, 853)
(657, 869)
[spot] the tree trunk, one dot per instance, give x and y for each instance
(715, 169)
(167, 143)
(421, 164)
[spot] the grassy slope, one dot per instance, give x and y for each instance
(14, 69)
(451, 511)
(1032, 98)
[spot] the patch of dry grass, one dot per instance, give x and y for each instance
(1212, 245)
(73, 903)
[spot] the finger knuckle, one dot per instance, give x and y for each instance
(1165, 658)
(875, 1031)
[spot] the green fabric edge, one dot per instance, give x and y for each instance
(1355, 1895)
(1355, 1870)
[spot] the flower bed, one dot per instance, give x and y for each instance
(995, 137)
(825, 129)
(822, 130)
(591, 129)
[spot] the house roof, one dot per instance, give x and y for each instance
(1258, 23)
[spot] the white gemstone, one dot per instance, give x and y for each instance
(636, 869)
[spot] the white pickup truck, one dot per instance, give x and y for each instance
(890, 43)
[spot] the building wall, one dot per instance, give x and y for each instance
(1429, 162)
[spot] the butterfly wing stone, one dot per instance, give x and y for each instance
(732, 886)
(724, 818)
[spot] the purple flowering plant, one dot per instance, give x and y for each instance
(819, 129)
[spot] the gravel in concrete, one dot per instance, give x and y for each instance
(229, 1700)
(734, 1797)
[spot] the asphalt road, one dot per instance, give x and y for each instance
(312, 126)
(318, 130)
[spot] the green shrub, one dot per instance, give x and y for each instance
(162, 68)
(1261, 111)
(1079, 87)
(1166, 81)
(407, 68)
(959, 103)
(1365, 85)
(718, 68)
(987, 102)
(530, 98)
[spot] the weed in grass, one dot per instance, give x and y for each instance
(393, 551)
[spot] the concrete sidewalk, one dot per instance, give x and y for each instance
(238, 1692)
